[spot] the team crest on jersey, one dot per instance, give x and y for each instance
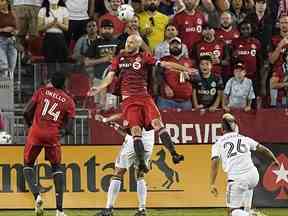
(216, 53)
(213, 84)
(136, 65)
(253, 52)
(199, 21)
(213, 91)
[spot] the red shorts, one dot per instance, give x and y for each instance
(34, 145)
(139, 110)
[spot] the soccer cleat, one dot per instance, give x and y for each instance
(39, 211)
(105, 212)
(60, 213)
(256, 213)
(141, 212)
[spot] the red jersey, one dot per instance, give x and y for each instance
(247, 49)
(182, 91)
(119, 26)
(132, 71)
(216, 48)
(229, 36)
(277, 66)
(189, 27)
(53, 107)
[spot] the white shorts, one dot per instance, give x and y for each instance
(127, 156)
(240, 189)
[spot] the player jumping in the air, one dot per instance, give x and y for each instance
(49, 114)
(138, 107)
(234, 150)
(126, 158)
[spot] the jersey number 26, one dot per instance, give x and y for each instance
(232, 151)
(50, 110)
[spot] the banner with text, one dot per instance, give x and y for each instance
(267, 125)
(88, 170)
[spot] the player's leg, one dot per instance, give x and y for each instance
(141, 193)
(53, 154)
(31, 152)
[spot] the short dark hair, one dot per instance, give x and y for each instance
(58, 79)
(205, 58)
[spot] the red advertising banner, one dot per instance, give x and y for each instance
(193, 127)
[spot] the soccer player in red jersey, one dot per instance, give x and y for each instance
(138, 107)
(189, 23)
(226, 31)
(49, 114)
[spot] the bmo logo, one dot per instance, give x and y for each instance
(197, 29)
(136, 65)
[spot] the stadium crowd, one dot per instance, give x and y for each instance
(237, 46)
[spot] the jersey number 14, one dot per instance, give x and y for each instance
(232, 151)
(50, 110)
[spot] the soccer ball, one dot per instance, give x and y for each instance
(125, 12)
(5, 138)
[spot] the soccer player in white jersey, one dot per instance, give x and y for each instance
(126, 158)
(234, 150)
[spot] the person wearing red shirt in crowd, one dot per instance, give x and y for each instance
(176, 91)
(248, 49)
(279, 45)
(50, 115)
(215, 48)
(189, 23)
(226, 31)
(119, 26)
(138, 107)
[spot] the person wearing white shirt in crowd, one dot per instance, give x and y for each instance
(53, 20)
(234, 150)
(78, 17)
(162, 49)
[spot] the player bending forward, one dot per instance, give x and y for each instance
(125, 159)
(138, 107)
(49, 114)
(234, 150)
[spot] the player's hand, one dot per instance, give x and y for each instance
(94, 91)
(100, 118)
(214, 190)
(177, 158)
(247, 108)
(212, 109)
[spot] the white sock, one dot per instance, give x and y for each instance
(239, 212)
(113, 191)
(141, 193)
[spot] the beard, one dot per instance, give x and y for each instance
(107, 36)
(226, 26)
(175, 51)
(151, 7)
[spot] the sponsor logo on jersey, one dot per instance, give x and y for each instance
(136, 65)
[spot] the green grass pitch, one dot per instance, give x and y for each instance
(151, 212)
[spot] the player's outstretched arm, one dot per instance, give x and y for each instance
(213, 175)
(109, 121)
(104, 84)
(267, 152)
(29, 110)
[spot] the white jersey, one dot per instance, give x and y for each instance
(234, 150)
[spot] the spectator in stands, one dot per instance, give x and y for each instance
(262, 24)
(169, 7)
(85, 42)
(176, 89)
(152, 23)
(132, 27)
(53, 20)
(226, 31)
(208, 89)
(248, 49)
(137, 5)
(98, 56)
(215, 48)
(111, 15)
(189, 23)
(26, 12)
(279, 84)
(279, 45)
(239, 11)
(238, 92)
(8, 52)
(78, 17)
(163, 48)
